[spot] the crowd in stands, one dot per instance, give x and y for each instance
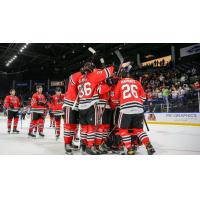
(172, 86)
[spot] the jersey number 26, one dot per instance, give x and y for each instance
(129, 91)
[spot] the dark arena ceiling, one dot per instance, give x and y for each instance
(58, 60)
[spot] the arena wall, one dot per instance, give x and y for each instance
(190, 119)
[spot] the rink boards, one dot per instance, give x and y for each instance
(186, 119)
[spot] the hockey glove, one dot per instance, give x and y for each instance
(111, 81)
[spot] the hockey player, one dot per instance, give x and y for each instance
(103, 116)
(38, 108)
(88, 98)
(12, 105)
(131, 95)
(71, 111)
(57, 110)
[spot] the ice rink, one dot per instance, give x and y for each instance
(167, 140)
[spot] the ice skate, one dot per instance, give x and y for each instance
(41, 134)
(91, 151)
(102, 149)
(15, 131)
(150, 149)
(57, 137)
(82, 148)
(32, 135)
(68, 149)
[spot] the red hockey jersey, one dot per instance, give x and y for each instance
(130, 95)
(12, 103)
(104, 95)
(72, 92)
(38, 103)
(57, 103)
(88, 86)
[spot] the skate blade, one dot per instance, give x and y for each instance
(69, 153)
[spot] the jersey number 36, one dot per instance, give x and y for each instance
(85, 89)
(129, 91)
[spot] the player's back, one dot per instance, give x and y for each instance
(87, 87)
(72, 92)
(131, 95)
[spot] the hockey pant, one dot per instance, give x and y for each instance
(12, 115)
(37, 119)
(132, 122)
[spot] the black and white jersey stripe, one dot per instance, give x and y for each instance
(131, 105)
(37, 110)
(89, 100)
(13, 109)
(71, 80)
(69, 103)
(107, 72)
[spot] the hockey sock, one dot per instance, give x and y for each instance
(90, 135)
(15, 123)
(99, 135)
(143, 137)
(41, 125)
(58, 127)
(32, 125)
(105, 131)
(126, 137)
(9, 122)
(69, 133)
(83, 134)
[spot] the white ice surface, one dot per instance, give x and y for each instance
(167, 140)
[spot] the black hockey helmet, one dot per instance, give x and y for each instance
(89, 66)
(125, 72)
(12, 89)
(58, 89)
(38, 86)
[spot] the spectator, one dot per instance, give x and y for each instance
(174, 94)
(196, 85)
(183, 78)
(165, 94)
(161, 78)
(181, 93)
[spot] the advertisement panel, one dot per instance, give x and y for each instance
(57, 83)
(192, 119)
(187, 51)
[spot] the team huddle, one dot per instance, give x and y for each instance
(104, 105)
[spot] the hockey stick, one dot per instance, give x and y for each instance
(145, 122)
(21, 121)
(103, 62)
(109, 133)
(92, 50)
(121, 59)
